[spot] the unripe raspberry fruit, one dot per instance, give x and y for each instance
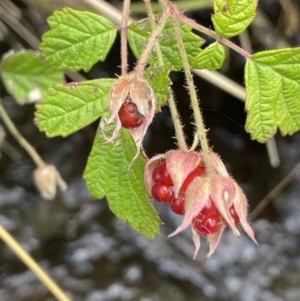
(130, 116)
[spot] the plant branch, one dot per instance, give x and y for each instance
(124, 24)
(213, 77)
(212, 34)
(173, 110)
(22, 141)
(32, 265)
(201, 131)
(274, 192)
(139, 70)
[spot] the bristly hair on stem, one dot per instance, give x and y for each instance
(124, 24)
(201, 131)
(173, 109)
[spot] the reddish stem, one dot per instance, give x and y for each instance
(124, 23)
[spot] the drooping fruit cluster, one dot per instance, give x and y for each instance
(210, 201)
(209, 220)
(129, 115)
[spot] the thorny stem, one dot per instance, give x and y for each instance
(22, 141)
(201, 132)
(139, 70)
(173, 110)
(124, 24)
(212, 34)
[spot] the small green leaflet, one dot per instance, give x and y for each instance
(107, 174)
(273, 93)
(77, 39)
(72, 106)
(231, 17)
(159, 81)
(211, 58)
(26, 76)
(139, 33)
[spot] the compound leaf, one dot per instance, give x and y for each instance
(211, 58)
(139, 33)
(231, 17)
(72, 106)
(77, 39)
(26, 76)
(107, 174)
(273, 93)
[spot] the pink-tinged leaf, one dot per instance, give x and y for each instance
(218, 165)
(179, 165)
(213, 240)
(196, 197)
(149, 168)
(115, 133)
(223, 193)
(240, 206)
(118, 95)
(196, 240)
(142, 96)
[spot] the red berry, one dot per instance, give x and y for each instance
(199, 171)
(161, 175)
(210, 207)
(162, 193)
(129, 115)
(207, 224)
(177, 205)
(234, 215)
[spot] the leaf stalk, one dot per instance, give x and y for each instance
(209, 32)
(124, 24)
(173, 109)
(140, 67)
(201, 131)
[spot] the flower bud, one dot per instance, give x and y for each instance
(46, 178)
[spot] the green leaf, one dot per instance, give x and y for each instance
(139, 33)
(77, 39)
(273, 93)
(26, 76)
(159, 80)
(231, 17)
(211, 58)
(72, 106)
(107, 174)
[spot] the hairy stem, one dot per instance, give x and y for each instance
(164, 4)
(124, 24)
(173, 110)
(201, 132)
(22, 141)
(212, 34)
(139, 70)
